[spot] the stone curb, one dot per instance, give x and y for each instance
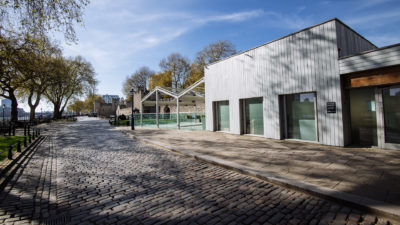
(372, 206)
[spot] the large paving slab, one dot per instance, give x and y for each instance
(367, 172)
(89, 173)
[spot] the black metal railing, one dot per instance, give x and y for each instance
(27, 138)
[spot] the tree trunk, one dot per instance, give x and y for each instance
(14, 107)
(32, 113)
(33, 106)
(57, 113)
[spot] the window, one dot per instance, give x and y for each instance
(222, 115)
(300, 116)
(253, 122)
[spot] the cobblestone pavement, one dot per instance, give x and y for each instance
(88, 173)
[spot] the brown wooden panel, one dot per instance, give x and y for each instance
(374, 77)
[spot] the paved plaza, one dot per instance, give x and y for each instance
(87, 172)
(368, 172)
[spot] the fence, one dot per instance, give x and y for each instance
(187, 121)
(17, 146)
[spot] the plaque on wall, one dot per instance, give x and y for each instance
(331, 107)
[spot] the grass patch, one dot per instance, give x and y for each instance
(5, 142)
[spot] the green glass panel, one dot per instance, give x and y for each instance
(363, 116)
(391, 108)
(254, 116)
(300, 116)
(223, 115)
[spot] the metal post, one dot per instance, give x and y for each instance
(30, 140)
(178, 122)
(157, 110)
(9, 129)
(4, 106)
(19, 146)
(132, 111)
(29, 130)
(25, 144)
(14, 127)
(25, 129)
(10, 152)
(141, 114)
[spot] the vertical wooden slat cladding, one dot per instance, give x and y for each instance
(383, 57)
(306, 61)
(350, 42)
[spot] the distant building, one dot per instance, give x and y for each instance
(108, 99)
(6, 102)
(106, 109)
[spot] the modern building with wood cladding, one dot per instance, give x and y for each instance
(325, 84)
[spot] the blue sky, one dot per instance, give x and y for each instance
(119, 36)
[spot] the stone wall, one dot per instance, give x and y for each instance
(199, 107)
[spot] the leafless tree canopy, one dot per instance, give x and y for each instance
(179, 67)
(138, 79)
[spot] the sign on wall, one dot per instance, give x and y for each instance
(331, 107)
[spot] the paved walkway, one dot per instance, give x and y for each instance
(89, 173)
(370, 173)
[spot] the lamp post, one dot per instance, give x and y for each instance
(4, 106)
(132, 118)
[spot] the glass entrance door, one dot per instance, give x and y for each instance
(391, 112)
(363, 116)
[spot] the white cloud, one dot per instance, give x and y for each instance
(371, 3)
(367, 19)
(232, 17)
(286, 21)
(376, 19)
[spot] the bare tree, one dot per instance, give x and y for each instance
(214, 52)
(209, 54)
(179, 67)
(137, 80)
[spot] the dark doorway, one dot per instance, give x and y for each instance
(363, 116)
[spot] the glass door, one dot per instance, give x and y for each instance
(222, 114)
(391, 114)
(300, 117)
(363, 116)
(253, 112)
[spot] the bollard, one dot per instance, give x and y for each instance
(10, 152)
(25, 142)
(39, 132)
(19, 146)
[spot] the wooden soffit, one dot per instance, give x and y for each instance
(383, 76)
